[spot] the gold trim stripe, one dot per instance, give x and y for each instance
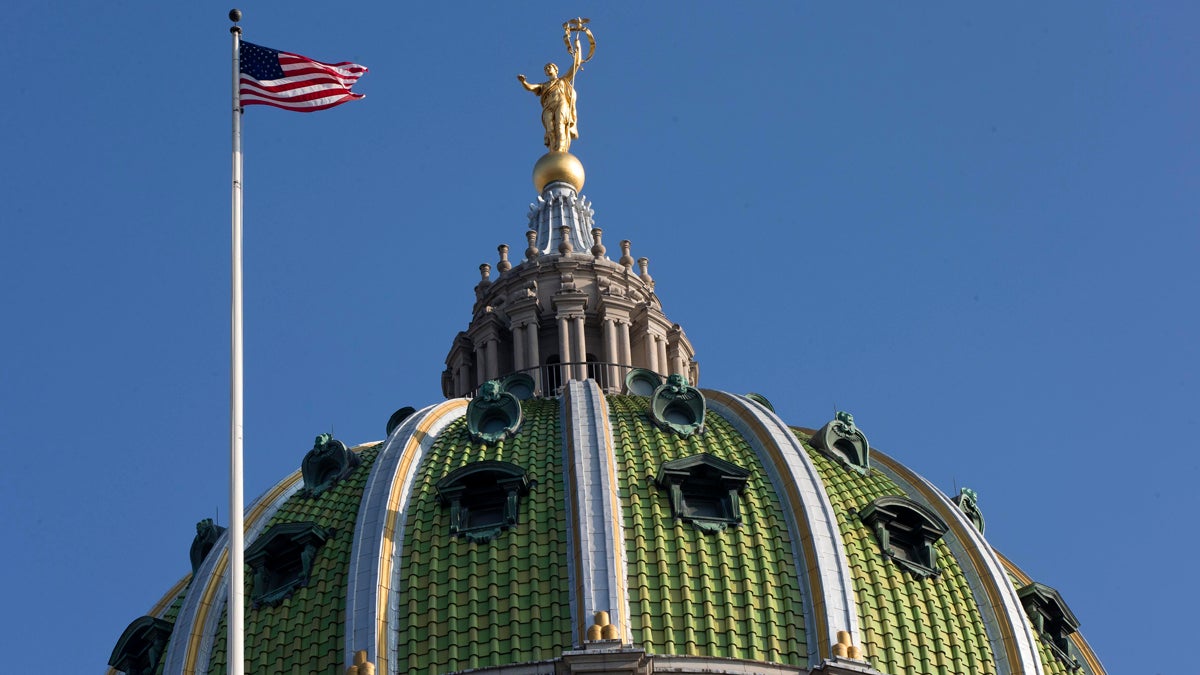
(1008, 632)
(196, 635)
(403, 469)
(619, 566)
(161, 606)
(816, 590)
(1085, 649)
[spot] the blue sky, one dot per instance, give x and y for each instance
(973, 227)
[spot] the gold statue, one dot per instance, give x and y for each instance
(558, 93)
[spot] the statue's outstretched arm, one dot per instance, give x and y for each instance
(535, 88)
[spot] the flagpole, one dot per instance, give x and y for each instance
(235, 612)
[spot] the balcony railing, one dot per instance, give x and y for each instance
(549, 380)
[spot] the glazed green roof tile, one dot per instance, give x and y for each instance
(732, 594)
(908, 624)
(305, 633)
(171, 613)
(505, 601)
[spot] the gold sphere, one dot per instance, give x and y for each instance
(558, 166)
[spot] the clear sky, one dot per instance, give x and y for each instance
(974, 227)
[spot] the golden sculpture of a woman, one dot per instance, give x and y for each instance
(558, 93)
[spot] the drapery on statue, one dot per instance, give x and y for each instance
(558, 93)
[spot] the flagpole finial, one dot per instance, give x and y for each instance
(235, 15)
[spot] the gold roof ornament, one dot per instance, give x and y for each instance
(559, 114)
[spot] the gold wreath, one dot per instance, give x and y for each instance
(579, 25)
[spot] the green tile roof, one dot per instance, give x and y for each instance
(306, 632)
(908, 624)
(733, 594)
(476, 605)
(170, 613)
(1050, 661)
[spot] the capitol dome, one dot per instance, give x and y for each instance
(580, 501)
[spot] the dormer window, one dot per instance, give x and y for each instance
(704, 490)
(1051, 618)
(484, 498)
(907, 533)
(141, 646)
(282, 560)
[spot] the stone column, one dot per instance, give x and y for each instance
(660, 343)
(564, 340)
(625, 347)
(493, 359)
(518, 334)
(610, 353)
(651, 352)
(531, 343)
(580, 349)
(480, 358)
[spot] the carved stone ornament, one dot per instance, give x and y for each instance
(677, 406)
(207, 534)
(843, 442)
(968, 502)
(494, 414)
(328, 462)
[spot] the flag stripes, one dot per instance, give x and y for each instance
(294, 82)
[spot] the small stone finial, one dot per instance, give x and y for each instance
(602, 628)
(503, 266)
(644, 266)
(565, 247)
(845, 647)
(532, 251)
(361, 665)
(485, 273)
(626, 258)
(598, 249)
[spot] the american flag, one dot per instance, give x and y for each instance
(294, 82)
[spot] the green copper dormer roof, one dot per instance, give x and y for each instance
(729, 594)
(909, 624)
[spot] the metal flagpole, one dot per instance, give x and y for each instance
(235, 615)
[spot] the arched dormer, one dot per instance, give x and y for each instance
(484, 498)
(704, 490)
(141, 646)
(906, 532)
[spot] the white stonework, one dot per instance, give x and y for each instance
(984, 573)
(386, 497)
(204, 604)
(820, 523)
